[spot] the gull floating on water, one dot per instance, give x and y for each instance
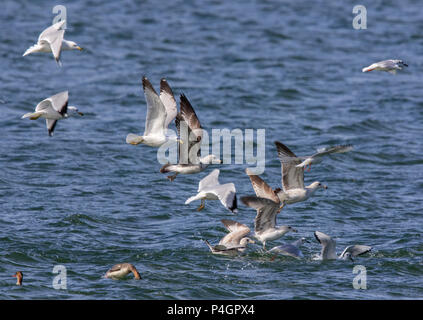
(265, 228)
(51, 40)
(329, 245)
(209, 188)
(121, 270)
(316, 157)
(387, 65)
(161, 110)
(19, 277)
(188, 117)
(234, 242)
(53, 109)
(293, 178)
(290, 249)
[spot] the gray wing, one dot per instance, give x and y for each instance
(211, 180)
(194, 133)
(355, 250)
(237, 231)
(156, 111)
(266, 212)
(288, 250)
(54, 36)
(51, 125)
(227, 195)
(60, 102)
(292, 177)
(334, 149)
(262, 189)
(328, 245)
(168, 99)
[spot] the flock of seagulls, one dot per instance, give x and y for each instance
(162, 110)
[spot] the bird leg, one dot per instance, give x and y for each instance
(202, 205)
(171, 178)
(281, 207)
(309, 168)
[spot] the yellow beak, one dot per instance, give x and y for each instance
(79, 48)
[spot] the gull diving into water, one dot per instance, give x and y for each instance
(293, 178)
(121, 270)
(51, 40)
(265, 228)
(209, 188)
(316, 157)
(161, 110)
(235, 241)
(53, 109)
(329, 245)
(290, 249)
(188, 118)
(390, 66)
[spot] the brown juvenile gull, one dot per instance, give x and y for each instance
(235, 241)
(187, 117)
(51, 40)
(329, 245)
(390, 66)
(265, 228)
(293, 178)
(52, 109)
(121, 270)
(209, 188)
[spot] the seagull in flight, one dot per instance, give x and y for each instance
(317, 157)
(209, 188)
(189, 162)
(293, 189)
(265, 228)
(53, 109)
(51, 40)
(161, 111)
(235, 241)
(390, 66)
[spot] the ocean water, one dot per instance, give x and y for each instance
(85, 199)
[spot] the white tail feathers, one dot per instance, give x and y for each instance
(191, 199)
(32, 115)
(133, 139)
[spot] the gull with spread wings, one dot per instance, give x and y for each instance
(234, 242)
(161, 110)
(293, 178)
(53, 109)
(51, 40)
(189, 161)
(209, 188)
(329, 245)
(316, 157)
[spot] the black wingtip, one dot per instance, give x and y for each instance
(234, 206)
(317, 238)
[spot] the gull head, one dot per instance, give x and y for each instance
(245, 241)
(402, 63)
(315, 185)
(302, 240)
(73, 111)
(287, 229)
(72, 45)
